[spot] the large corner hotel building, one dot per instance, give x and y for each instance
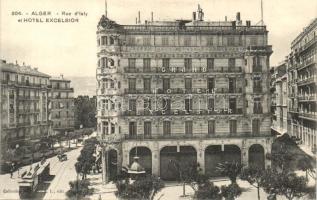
(190, 90)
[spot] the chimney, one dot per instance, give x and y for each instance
(62, 76)
(238, 17)
(233, 24)
(16, 62)
(151, 16)
(23, 64)
(145, 22)
(225, 18)
(248, 22)
(35, 68)
(136, 20)
(139, 21)
(194, 16)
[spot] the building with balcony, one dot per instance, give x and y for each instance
(302, 77)
(279, 97)
(190, 90)
(24, 106)
(61, 114)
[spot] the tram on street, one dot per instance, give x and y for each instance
(31, 179)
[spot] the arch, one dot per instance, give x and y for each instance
(145, 157)
(184, 156)
(112, 163)
(214, 154)
(256, 156)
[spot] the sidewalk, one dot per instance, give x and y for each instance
(102, 191)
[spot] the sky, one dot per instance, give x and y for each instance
(70, 48)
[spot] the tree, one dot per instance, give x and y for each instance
(86, 159)
(187, 173)
(79, 189)
(305, 165)
(85, 111)
(231, 191)
(281, 157)
(207, 190)
(142, 188)
(230, 170)
(254, 176)
(284, 183)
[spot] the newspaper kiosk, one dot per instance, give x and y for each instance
(32, 178)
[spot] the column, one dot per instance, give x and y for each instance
(245, 156)
(155, 160)
(201, 159)
(267, 150)
(104, 166)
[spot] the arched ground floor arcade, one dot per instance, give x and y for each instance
(156, 156)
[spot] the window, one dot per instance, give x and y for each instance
(188, 64)
(131, 40)
(146, 41)
(210, 41)
(211, 104)
(188, 105)
(233, 105)
(131, 63)
(210, 84)
(146, 65)
(210, 64)
(164, 41)
(147, 128)
(211, 127)
(257, 107)
(105, 129)
(257, 88)
(230, 41)
(111, 40)
(231, 62)
(166, 84)
(104, 40)
(147, 104)
(166, 63)
(113, 128)
(257, 64)
(132, 84)
(132, 105)
(132, 129)
(188, 84)
(166, 128)
(166, 104)
(232, 85)
(147, 85)
(187, 41)
(188, 127)
(255, 126)
(233, 126)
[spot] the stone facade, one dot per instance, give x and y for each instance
(168, 88)
(302, 77)
(61, 106)
(24, 107)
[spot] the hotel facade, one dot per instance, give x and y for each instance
(194, 91)
(302, 78)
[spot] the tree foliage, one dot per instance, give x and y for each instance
(284, 183)
(141, 188)
(86, 160)
(306, 165)
(79, 189)
(230, 170)
(85, 112)
(207, 190)
(254, 176)
(231, 191)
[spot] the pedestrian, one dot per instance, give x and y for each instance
(11, 172)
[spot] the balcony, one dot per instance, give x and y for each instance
(184, 91)
(195, 136)
(308, 97)
(308, 115)
(306, 80)
(175, 112)
(183, 70)
(257, 69)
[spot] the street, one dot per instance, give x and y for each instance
(61, 174)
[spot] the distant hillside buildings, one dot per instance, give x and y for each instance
(30, 102)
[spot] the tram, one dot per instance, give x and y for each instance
(32, 178)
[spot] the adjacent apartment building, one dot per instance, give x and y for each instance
(302, 77)
(192, 90)
(24, 106)
(61, 116)
(279, 97)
